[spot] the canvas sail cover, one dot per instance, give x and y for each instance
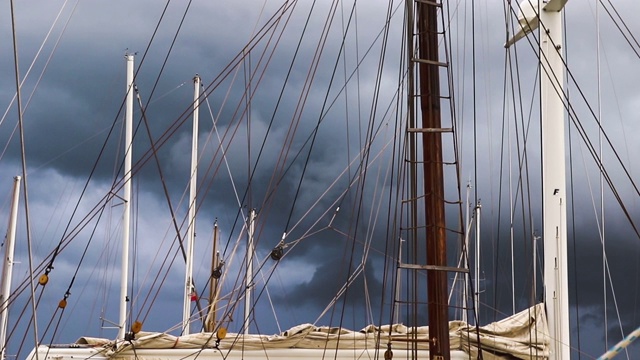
(522, 336)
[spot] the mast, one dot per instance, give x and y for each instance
(124, 271)
(433, 182)
(7, 266)
(249, 273)
(191, 230)
(210, 322)
(554, 198)
(476, 285)
(425, 28)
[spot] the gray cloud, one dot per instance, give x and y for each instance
(80, 94)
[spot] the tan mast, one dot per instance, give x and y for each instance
(210, 322)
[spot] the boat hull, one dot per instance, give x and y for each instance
(78, 353)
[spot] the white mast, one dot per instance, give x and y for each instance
(249, 274)
(191, 232)
(7, 268)
(476, 296)
(554, 198)
(124, 272)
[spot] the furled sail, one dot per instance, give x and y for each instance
(523, 336)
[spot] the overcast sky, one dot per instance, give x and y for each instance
(72, 55)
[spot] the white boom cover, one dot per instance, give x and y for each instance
(523, 335)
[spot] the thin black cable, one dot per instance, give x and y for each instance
(315, 131)
(325, 102)
(473, 287)
(144, 109)
(67, 293)
(160, 173)
(394, 197)
(247, 190)
(273, 117)
(496, 242)
(364, 157)
(269, 277)
(523, 188)
(272, 192)
(509, 68)
(522, 158)
(58, 247)
(322, 117)
(573, 204)
(620, 29)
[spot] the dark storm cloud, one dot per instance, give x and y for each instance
(80, 94)
(328, 279)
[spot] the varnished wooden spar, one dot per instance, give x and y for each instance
(429, 87)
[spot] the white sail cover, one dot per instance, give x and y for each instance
(523, 336)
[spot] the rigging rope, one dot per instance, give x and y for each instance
(573, 204)
(24, 172)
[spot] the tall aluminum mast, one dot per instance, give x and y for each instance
(191, 232)
(554, 198)
(124, 271)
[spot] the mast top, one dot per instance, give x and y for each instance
(528, 18)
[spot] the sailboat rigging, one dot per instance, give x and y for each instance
(301, 128)
(310, 342)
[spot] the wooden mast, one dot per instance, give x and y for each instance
(210, 320)
(436, 246)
